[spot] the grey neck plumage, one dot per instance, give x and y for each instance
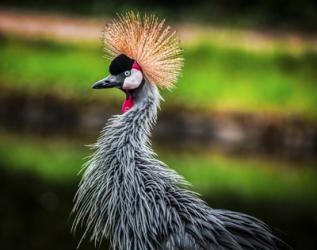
(144, 112)
(113, 197)
(128, 196)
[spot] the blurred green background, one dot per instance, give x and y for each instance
(241, 124)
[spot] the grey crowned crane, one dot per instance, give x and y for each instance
(126, 194)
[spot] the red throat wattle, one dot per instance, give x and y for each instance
(127, 104)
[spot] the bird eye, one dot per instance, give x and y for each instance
(127, 73)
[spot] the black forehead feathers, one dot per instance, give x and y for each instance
(120, 64)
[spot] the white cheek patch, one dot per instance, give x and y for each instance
(134, 80)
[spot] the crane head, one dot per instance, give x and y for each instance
(125, 74)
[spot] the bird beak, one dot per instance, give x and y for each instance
(108, 82)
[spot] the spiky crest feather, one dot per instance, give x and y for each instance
(148, 41)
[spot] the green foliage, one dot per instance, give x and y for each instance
(251, 179)
(60, 161)
(45, 65)
(240, 80)
(53, 160)
(214, 77)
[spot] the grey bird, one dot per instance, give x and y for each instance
(126, 194)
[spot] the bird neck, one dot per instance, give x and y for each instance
(111, 196)
(143, 113)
